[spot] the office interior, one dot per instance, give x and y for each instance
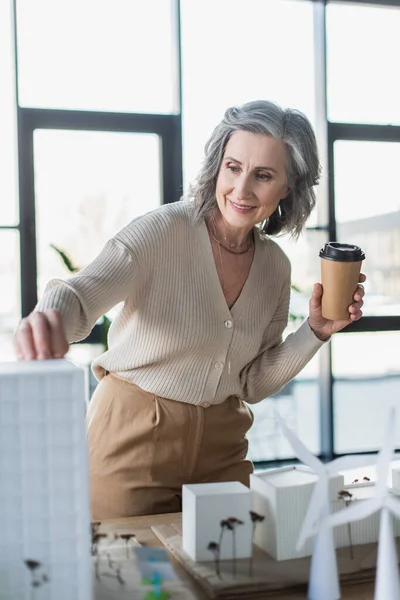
(104, 112)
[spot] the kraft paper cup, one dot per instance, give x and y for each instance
(340, 272)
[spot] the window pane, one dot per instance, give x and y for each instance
(115, 55)
(10, 308)
(367, 383)
(298, 403)
(8, 149)
(244, 58)
(88, 185)
(363, 49)
(367, 204)
(304, 258)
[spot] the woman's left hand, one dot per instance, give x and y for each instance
(324, 328)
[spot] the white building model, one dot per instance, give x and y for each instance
(44, 493)
(282, 496)
(204, 506)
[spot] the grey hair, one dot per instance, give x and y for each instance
(303, 166)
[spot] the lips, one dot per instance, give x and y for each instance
(241, 207)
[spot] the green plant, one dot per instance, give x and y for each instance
(103, 324)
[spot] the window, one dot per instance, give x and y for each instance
(96, 168)
(249, 55)
(88, 185)
(367, 206)
(363, 49)
(367, 383)
(9, 235)
(235, 52)
(10, 309)
(115, 55)
(8, 146)
(298, 403)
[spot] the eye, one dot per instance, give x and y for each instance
(263, 176)
(233, 168)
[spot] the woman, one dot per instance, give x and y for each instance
(205, 295)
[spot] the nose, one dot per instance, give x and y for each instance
(243, 188)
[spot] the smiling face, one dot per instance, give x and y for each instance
(251, 181)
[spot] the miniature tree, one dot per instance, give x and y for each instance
(97, 537)
(126, 537)
(94, 529)
(224, 524)
(347, 498)
(36, 580)
(230, 524)
(214, 548)
(234, 522)
(255, 518)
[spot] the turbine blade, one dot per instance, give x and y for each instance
(311, 523)
(393, 505)
(300, 450)
(386, 455)
(355, 512)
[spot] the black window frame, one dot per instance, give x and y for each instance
(169, 128)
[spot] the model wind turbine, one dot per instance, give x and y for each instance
(324, 578)
(387, 586)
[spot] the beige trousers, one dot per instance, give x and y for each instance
(143, 448)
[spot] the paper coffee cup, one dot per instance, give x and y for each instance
(340, 272)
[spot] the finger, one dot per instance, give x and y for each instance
(362, 278)
(315, 300)
(359, 293)
(41, 335)
(358, 297)
(24, 343)
(354, 308)
(59, 341)
(356, 316)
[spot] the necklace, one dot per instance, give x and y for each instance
(231, 247)
(239, 279)
(223, 278)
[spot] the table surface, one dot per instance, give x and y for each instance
(141, 527)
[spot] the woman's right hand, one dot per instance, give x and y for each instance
(40, 336)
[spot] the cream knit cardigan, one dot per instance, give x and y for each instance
(175, 335)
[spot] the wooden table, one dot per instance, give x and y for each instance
(141, 527)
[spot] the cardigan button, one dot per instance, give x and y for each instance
(228, 324)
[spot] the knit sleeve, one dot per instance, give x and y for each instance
(84, 297)
(279, 361)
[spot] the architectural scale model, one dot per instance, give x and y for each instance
(282, 496)
(383, 502)
(44, 495)
(291, 506)
(204, 507)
